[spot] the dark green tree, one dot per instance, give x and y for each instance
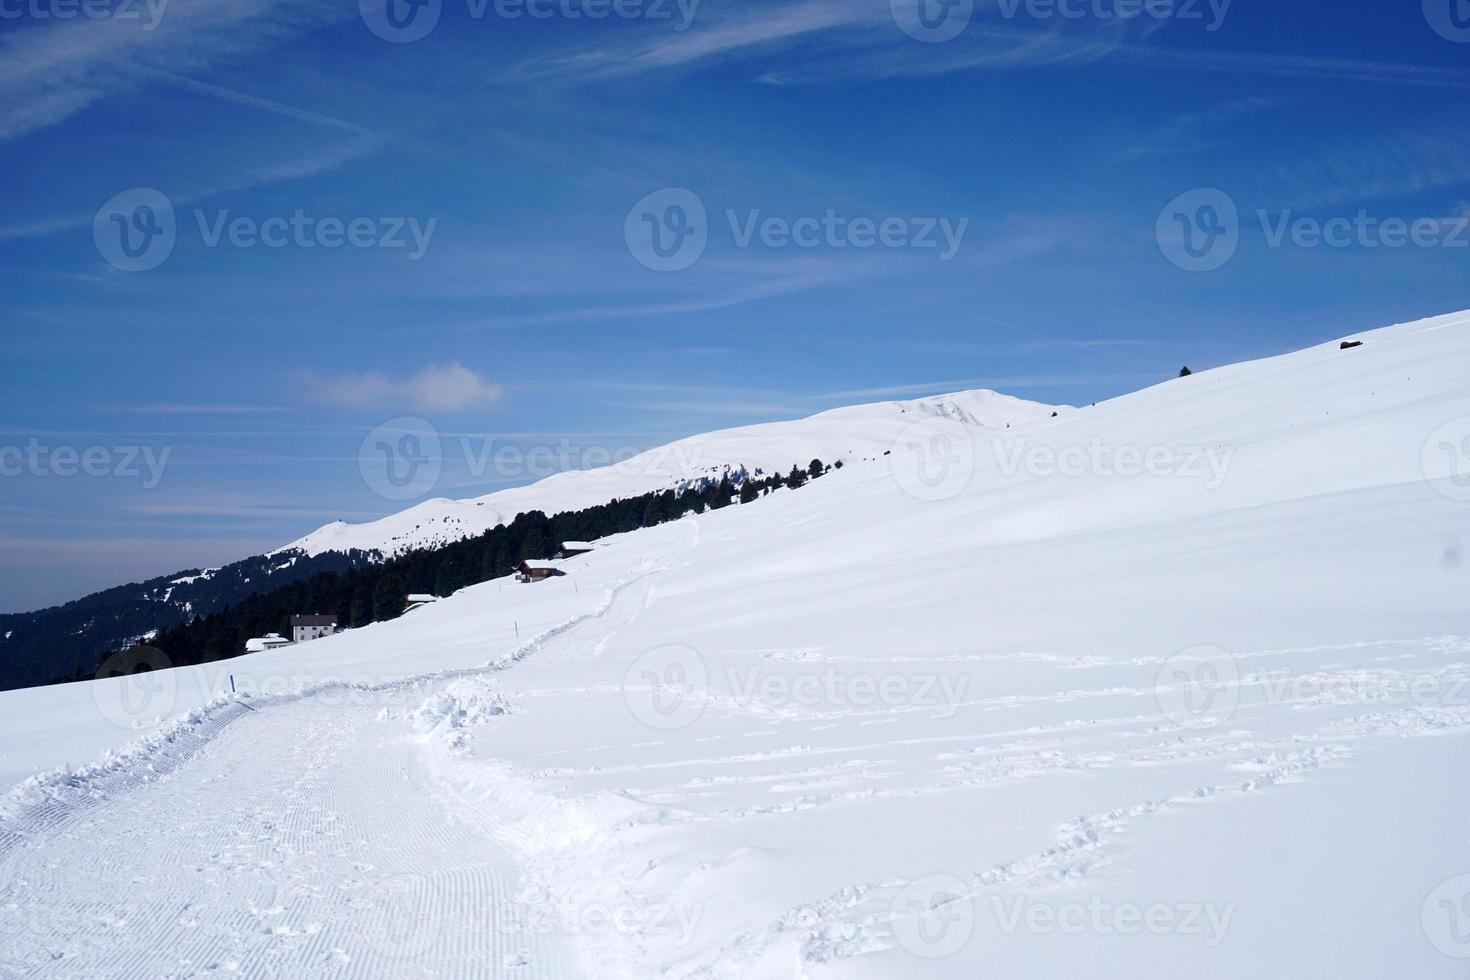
(361, 608)
(388, 596)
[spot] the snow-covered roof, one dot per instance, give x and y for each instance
(422, 598)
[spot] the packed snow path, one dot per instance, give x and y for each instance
(303, 840)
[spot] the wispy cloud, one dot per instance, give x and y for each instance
(291, 165)
(1199, 129)
(200, 409)
(830, 40)
(240, 507)
(51, 72)
(1359, 169)
(442, 388)
(982, 348)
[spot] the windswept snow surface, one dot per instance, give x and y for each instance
(1178, 684)
(849, 434)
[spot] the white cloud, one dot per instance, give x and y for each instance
(437, 388)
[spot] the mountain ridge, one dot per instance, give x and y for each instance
(846, 433)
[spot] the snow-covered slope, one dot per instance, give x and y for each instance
(1177, 684)
(849, 434)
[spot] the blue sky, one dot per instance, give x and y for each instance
(519, 146)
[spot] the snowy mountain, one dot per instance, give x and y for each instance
(67, 640)
(1177, 684)
(848, 434)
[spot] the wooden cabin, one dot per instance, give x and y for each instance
(537, 571)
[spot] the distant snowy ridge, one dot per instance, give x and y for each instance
(849, 434)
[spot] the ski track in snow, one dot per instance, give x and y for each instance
(301, 836)
(859, 918)
(311, 835)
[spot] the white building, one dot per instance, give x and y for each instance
(311, 627)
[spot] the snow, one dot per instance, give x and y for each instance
(847, 433)
(1176, 684)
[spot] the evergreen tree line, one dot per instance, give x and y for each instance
(373, 593)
